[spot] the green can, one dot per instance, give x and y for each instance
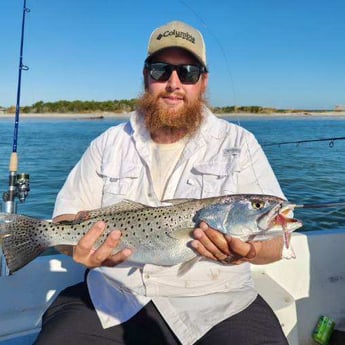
(323, 330)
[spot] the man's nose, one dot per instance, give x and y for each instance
(174, 81)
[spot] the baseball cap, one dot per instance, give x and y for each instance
(178, 34)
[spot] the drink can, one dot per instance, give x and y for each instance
(323, 330)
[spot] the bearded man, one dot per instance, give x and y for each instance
(172, 147)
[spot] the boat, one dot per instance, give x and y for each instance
(299, 290)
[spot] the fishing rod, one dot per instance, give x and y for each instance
(18, 185)
(330, 140)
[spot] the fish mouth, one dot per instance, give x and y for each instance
(280, 218)
(284, 220)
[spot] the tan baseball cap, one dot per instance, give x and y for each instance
(178, 34)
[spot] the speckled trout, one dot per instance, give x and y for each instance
(157, 235)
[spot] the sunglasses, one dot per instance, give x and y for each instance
(188, 74)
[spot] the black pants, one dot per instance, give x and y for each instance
(72, 319)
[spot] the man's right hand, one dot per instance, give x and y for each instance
(85, 253)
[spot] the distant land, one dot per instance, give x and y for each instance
(124, 106)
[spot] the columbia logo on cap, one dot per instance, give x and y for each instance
(178, 34)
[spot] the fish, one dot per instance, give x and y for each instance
(157, 235)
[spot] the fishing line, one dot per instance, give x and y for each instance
(323, 205)
(330, 140)
(226, 59)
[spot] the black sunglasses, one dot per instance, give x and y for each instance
(188, 74)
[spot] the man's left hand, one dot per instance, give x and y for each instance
(214, 245)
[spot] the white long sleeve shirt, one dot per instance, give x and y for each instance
(221, 158)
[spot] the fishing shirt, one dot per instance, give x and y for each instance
(220, 158)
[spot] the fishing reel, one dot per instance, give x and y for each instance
(19, 187)
(23, 186)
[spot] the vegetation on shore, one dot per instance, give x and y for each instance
(125, 106)
(77, 107)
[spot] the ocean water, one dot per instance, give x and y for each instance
(308, 173)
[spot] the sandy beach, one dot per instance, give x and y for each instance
(94, 116)
(124, 116)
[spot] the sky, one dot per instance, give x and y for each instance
(271, 53)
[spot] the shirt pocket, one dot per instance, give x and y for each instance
(119, 182)
(217, 177)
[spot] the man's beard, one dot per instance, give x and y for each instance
(157, 117)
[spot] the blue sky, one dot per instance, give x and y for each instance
(282, 54)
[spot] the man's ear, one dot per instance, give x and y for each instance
(204, 81)
(146, 78)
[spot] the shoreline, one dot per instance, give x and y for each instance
(117, 116)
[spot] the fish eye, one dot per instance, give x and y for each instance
(258, 204)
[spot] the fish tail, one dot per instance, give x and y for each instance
(18, 239)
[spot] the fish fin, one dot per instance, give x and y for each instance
(186, 266)
(177, 201)
(81, 216)
(132, 270)
(122, 206)
(181, 233)
(18, 243)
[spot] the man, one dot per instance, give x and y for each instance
(172, 147)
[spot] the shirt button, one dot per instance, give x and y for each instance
(147, 276)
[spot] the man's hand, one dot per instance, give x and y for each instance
(216, 246)
(85, 253)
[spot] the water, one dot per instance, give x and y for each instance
(308, 173)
